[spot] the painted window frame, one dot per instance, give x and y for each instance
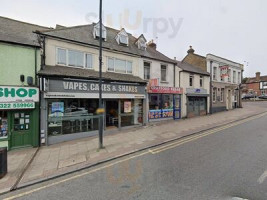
(114, 66)
(191, 76)
(67, 58)
(222, 95)
(214, 74)
(201, 81)
(214, 94)
(148, 70)
(166, 72)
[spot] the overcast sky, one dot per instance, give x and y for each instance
(233, 29)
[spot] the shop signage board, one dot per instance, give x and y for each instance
(224, 71)
(165, 90)
(196, 91)
(86, 89)
(10, 94)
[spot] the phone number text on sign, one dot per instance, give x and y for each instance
(6, 106)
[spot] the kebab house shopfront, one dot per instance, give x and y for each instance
(72, 103)
(164, 102)
(19, 117)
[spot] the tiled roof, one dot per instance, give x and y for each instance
(84, 34)
(191, 68)
(19, 32)
(253, 79)
(62, 71)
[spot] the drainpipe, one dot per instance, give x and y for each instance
(211, 91)
(240, 92)
(35, 66)
(174, 73)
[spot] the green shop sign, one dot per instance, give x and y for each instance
(18, 94)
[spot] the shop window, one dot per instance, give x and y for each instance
(214, 94)
(222, 94)
(161, 105)
(131, 112)
(146, 70)
(163, 73)
(3, 124)
(72, 116)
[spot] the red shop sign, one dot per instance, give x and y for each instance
(165, 90)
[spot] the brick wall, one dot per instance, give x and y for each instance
(196, 60)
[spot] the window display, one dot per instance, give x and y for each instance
(72, 116)
(3, 124)
(160, 106)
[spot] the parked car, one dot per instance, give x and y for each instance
(263, 97)
(249, 96)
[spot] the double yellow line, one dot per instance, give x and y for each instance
(198, 136)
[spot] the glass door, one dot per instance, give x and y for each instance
(177, 106)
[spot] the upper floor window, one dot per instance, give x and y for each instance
(120, 66)
(61, 56)
(163, 72)
(96, 31)
(201, 81)
(234, 76)
(229, 75)
(146, 70)
(214, 73)
(122, 37)
(89, 61)
(191, 80)
(74, 58)
(141, 42)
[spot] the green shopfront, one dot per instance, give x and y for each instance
(69, 108)
(19, 117)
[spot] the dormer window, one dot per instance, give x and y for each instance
(122, 38)
(96, 32)
(141, 42)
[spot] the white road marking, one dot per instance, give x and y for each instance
(262, 177)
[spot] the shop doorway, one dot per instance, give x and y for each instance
(197, 106)
(21, 130)
(112, 114)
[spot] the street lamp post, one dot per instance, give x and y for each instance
(100, 79)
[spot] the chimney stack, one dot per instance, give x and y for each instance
(258, 76)
(152, 44)
(190, 50)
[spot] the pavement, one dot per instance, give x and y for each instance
(225, 163)
(55, 160)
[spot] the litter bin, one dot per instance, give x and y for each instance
(3, 162)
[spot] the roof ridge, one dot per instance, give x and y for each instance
(224, 58)
(25, 22)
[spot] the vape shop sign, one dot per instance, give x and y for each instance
(18, 97)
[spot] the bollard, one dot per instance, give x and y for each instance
(3, 162)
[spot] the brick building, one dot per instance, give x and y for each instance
(255, 85)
